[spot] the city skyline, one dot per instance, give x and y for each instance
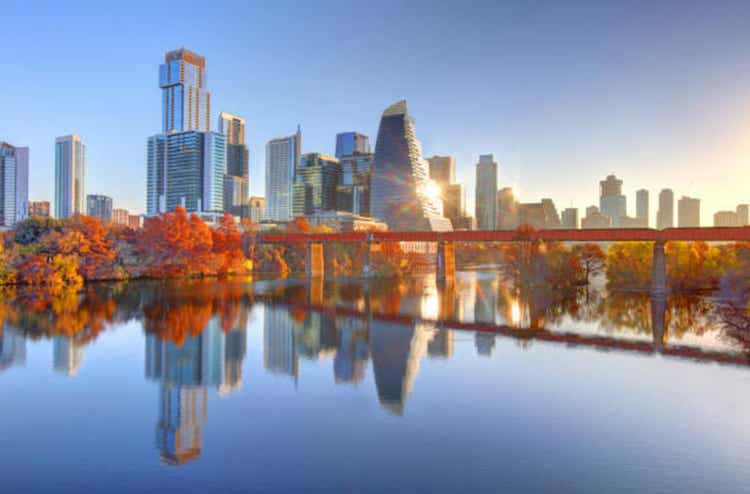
(649, 141)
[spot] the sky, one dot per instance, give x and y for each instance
(562, 93)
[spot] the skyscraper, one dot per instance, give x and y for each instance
(402, 193)
(453, 203)
(351, 143)
(14, 183)
(570, 218)
(612, 202)
(506, 215)
(688, 212)
(315, 184)
(485, 195)
(186, 103)
(743, 211)
(641, 207)
(70, 176)
(442, 170)
(353, 190)
(99, 206)
(236, 185)
(282, 160)
(665, 214)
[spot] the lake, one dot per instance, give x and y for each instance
(346, 385)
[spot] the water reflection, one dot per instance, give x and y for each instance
(196, 333)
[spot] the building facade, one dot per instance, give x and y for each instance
(400, 191)
(506, 215)
(743, 214)
(665, 213)
(99, 206)
(570, 218)
(282, 160)
(485, 195)
(186, 102)
(39, 208)
(70, 176)
(726, 218)
(14, 189)
(237, 182)
(688, 212)
(442, 170)
(642, 206)
(120, 216)
(134, 220)
(257, 208)
(348, 143)
(315, 184)
(353, 190)
(612, 202)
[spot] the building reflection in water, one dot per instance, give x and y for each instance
(184, 371)
(352, 350)
(12, 348)
(279, 350)
(67, 355)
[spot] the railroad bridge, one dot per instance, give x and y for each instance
(445, 262)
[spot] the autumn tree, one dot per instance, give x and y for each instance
(592, 258)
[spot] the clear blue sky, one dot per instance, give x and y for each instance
(562, 93)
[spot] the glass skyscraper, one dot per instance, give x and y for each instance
(485, 194)
(236, 184)
(401, 192)
(99, 206)
(282, 160)
(186, 103)
(350, 143)
(195, 168)
(315, 184)
(70, 176)
(14, 183)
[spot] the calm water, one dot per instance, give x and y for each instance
(345, 386)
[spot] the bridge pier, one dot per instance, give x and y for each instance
(659, 271)
(315, 260)
(446, 260)
(366, 266)
(658, 321)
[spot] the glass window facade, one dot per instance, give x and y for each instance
(315, 184)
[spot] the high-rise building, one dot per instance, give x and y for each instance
(401, 192)
(442, 170)
(99, 206)
(70, 176)
(156, 175)
(39, 208)
(120, 216)
(134, 221)
(570, 218)
(506, 216)
(665, 214)
(688, 212)
(353, 190)
(485, 195)
(351, 143)
(315, 183)
(257, 208)
(236, 185)
(539, 215)
(743, 215)
(282, 160)
(453, 203)
(595, 219)
(14, 183)
(551, 218)
(612, 202)
(726, 218)
(641, 207)
(186, 102)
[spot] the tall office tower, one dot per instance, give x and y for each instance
(665, 213)
(282, 160)
(453, 203)
(315, 183)
(14, 189)
(99, 206)
(688, 212)
(236, 186)
(641, 207)
(551, 218)
(39, 208)
(485, 195)
(257, 208)
(442, 170)
(351, 143)
(186, 103)
(401, 192)
(570, 218)
(353, 190)
(70, 176)
(612, 202)
(506, 213)
(156, 179)
(743, 211)
(192, 170)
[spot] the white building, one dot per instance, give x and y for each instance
(14, 189)
(282, 159)
(70, 176)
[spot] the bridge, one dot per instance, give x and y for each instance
(445, 262)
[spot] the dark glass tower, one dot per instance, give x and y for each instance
(401, 190)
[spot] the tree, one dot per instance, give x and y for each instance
(592, 258)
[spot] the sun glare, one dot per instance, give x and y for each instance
(431, 190)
